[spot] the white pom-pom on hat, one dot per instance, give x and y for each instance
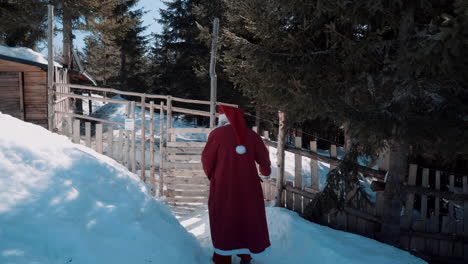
(241, 149)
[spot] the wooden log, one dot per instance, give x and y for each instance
(143, 139)
(133, 155)
(110, 142)
(99, 144)
(151, 149)
(88, 134)
(314, 184)
(298, 177)
(76, 132)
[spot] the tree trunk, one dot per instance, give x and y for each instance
(280, 159)
(257, 118)
(398, 168)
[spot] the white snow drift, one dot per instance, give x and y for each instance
(63, 203)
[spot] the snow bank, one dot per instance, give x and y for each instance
(295, 240)
(25, 54)
(64, 203)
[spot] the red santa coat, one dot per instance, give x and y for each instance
(236, 205)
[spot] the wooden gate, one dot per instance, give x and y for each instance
(185, 180)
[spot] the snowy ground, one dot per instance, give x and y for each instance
(64, 203)
(295, 240)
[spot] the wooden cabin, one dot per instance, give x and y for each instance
(23, 84)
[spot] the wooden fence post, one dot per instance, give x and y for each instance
(314, 184)
(465, 218)
(110, 142)
(133, 138)
(88, 134)
(143, 138)
(127, 138)
(50, 68)
(151, 149)
(298, 176)
(161, 148)
(76, 131)
(280, 159)
(99, 138)
(333, 154)
(120, 156)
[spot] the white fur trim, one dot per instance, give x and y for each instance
(222, 120)
(241, 149)
(238, 251)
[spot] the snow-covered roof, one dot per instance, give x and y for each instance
(22, 54)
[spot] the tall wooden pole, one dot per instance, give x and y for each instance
(280, 159)
(213, 73)
(50, 69)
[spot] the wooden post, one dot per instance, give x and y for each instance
(50, 68)
(298, 176)
(99, 144)
(314, 168)
(110, 142)
(143, 138)
(127, 137)
(280, 158)
(425, 184)
(161, 149)
(151, 149)
(88, 134)
(465, 218)
(120, 152)
(451, 206)
(133, 138)
(333, 154)
(76, 131)
(213, 76)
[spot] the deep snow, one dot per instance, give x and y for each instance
(64, 203)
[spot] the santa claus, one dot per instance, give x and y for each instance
(236, 205)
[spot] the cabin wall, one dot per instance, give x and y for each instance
(23, 92)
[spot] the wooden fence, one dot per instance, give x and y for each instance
(434, 223)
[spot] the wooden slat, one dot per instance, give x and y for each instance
(110, 142)
(298, 176)
(127, 138)
(76, 131)
(451, 212)
(120, 156)
(333, 154)
(99, 144)
(183, 150)
(425, 184)
(189, 130)
(314, 167)
(186, 180)
(465, 218)
(445, 245)
(162, 148)
(410, 197)
(188, 187)
(133, 156)
(188, 193)
(88, 134)
(143, 139)
(183, 200)
(186, 144)
(184, 157)
(151, 150)
(182, 166)
(176, 173)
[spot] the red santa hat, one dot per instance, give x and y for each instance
(236, 119)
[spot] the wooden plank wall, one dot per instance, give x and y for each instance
(10, 94)
(35, 97)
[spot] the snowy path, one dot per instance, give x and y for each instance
(295, 240)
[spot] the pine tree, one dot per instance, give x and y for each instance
(394, 72)
(23, 22)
